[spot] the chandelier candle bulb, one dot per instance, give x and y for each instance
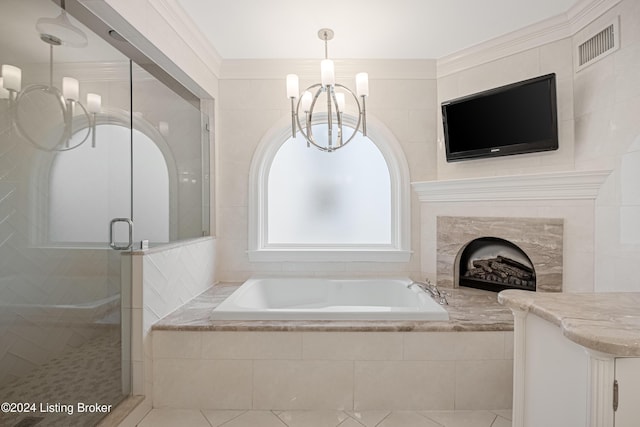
(305, 103)
(70, 88)
(163, 128)
(362, 84)
(4, 93)
(327, 72)
(12, 77)
(292, 86)
(340, 100)
(94, 103)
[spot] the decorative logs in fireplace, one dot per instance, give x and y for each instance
(488, 263)
(503, 270)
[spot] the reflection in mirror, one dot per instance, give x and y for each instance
(87, 183)
(63, 328)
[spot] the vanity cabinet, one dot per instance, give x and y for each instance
(573, 368)
(627, 374)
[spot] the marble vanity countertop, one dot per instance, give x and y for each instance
(605, 322)
(469, 310)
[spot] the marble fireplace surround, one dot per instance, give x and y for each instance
(540, 238)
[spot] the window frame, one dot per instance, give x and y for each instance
(399, 250)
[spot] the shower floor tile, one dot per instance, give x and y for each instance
(207, 418)
(88, 374)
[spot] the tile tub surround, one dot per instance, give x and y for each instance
(604, 322)
(465, 363)
(469, 310)
(162, 279)
(540, 238)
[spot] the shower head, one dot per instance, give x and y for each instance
(60, 31)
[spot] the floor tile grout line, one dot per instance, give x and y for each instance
(228, 421)
(205, 417)
(429, 418)
(349, 416)
(494, 411)
(385, 417)
(279, 419)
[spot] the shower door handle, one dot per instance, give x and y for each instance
(112, 242)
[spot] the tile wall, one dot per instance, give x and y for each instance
(599, 107)
(607, 108)
(348, 370)
(162, 280)
(252, 105)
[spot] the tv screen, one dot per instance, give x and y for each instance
(513, 119)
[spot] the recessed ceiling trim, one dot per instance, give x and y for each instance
(586, 11)
(530, 37)
(184, 26)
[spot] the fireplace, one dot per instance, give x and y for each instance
(495, 264)
(526, 249)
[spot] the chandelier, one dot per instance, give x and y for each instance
(55, 32)
(335, 95)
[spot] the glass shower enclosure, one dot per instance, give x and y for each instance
(96, 156)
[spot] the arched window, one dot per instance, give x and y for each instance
(348, 205)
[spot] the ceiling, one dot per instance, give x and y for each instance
(374, 29)
(20, 41)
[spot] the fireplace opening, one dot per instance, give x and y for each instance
(495, 264)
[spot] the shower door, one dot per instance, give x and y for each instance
(65, 173)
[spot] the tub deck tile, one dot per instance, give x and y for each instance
(469, 310)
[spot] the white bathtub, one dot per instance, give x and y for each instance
(328, 299)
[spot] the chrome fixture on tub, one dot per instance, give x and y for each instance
(335, 102)
(431, 289)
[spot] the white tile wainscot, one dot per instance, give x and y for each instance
(161, 279)
(314, 370)
(568, 195)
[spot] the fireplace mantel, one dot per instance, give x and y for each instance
(573, 185)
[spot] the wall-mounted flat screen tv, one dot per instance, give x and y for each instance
(513, 119)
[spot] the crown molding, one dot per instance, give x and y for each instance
(186, 29)
(530, 37)
(309, 69)
(574, 185)
(586, 11)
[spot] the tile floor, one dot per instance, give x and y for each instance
(205, 418)
(89, 373)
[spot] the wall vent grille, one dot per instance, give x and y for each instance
(598, 46)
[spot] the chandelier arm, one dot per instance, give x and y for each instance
(16, 121)
(339, 118)
(293, 118)
(67, 127)
(328, 86)
(308, 118)
(360, 111)
(330, 95)
(307, 131)
(86, 114)
(363, 114)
